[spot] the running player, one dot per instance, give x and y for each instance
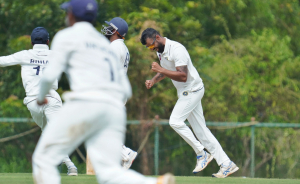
(176, 64)
(115, 32)
(94, 111)
(33, 62)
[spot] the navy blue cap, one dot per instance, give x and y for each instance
(84, 9)
(39, 35)
(119, 24)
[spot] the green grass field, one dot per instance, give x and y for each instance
(26, 178)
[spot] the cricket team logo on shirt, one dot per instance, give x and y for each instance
(185, 93)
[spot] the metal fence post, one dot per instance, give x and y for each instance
(252, 170)
(156, 146)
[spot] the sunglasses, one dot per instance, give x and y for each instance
(151, 47)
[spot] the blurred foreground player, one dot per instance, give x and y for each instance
(33, 62)
(176, 64)
(94, 112)
(115, 32)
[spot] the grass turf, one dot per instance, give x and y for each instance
(26, 178)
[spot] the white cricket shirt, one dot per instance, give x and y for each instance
(92, 68)
(119, 47)
(174, 55)
(33, 62)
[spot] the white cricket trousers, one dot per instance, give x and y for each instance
(125, 150)
(189, 107)
(43, 115)
(101, 126)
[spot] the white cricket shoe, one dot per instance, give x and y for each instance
(72, 171)
(226, 170)
(202, 162)
(167, 178)
(127, 164)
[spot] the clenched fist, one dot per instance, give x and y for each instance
(149, 84)
(156, 67)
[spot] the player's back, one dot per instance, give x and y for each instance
(32, 63)
(91, 66)
(119, 47)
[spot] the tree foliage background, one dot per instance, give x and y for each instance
(246, 51)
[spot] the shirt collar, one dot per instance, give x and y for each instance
(40, 47)
(83, 23)
(167, 47)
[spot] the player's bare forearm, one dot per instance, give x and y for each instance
(158, 77)
(179, 75)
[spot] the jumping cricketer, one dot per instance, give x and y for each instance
(176, 64)
(33, 62)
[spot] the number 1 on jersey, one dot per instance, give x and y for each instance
(111, 69)
(37, 70)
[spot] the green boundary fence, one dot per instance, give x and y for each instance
(218, 125)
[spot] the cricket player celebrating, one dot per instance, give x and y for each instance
(115, 33)
(94, 111)
(33, 62)
(176, 64)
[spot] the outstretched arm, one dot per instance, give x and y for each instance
(13, 59)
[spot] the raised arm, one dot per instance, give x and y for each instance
(179, 75)
(181, 60)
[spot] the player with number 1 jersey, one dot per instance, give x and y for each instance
(33, 62)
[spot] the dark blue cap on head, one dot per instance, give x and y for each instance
(85, 10)
(119, 24)
(39, 35)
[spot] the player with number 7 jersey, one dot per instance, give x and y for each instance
(33, 62)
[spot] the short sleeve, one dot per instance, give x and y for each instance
(181, 56)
